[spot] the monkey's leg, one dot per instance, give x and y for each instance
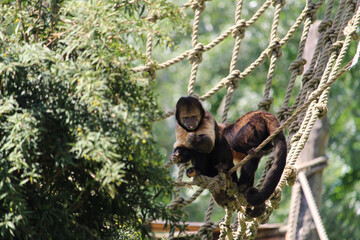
(246, 139)
(247, 174)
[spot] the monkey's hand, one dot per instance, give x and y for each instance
(181, 155)
(201, 143)
(175, 157)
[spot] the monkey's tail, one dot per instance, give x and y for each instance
(256, 197)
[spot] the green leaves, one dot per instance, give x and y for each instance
(77, 154)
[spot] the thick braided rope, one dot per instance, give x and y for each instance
(312, 206)
(294, 212)
(195, 57)
(326, 82)
(274, 55)
(225, 226)
(313, 96)
(206, 230)
(238, 34)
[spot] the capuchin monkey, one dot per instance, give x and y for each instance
(199, 139)
(214, 148)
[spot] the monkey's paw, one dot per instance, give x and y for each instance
(254, 197)
(256, 211)
(191, 138)
(191, 172)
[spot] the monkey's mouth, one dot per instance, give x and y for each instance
(191, 127)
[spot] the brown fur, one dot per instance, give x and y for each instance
(207, 128)
(203, 144)
(248, 132)
(243, 136)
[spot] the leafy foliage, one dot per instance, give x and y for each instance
(77, 155)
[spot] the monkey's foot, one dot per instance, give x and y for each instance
(191, 172)
(255, 211)
(254, 197)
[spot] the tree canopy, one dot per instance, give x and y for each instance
(77, 155)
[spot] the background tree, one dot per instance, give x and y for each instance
(77, 156)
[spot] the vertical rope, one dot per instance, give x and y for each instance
(195, 56)
(225, 226)
(312, 206)
(293, 212)
(274, 55)
(238, 34)
(296, 68)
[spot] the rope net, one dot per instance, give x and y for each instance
(298, 118)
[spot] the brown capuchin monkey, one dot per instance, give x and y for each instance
(200, 139)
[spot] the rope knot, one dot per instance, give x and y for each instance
(322, 108)
(234, 78)
(297, 67)
(312, 9)
(195, 56)
(337, 46)
(291, 172)
(307, 77)
(239, 30)
(177, 203)
(330, 35)
(324, 25)
(281, 2)
(351, 30)
(265, 103)
(151, 68)
(284, 113)
(198, 5)
(275, 199)
(275, 48)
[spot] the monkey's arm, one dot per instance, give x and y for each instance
(181, 155)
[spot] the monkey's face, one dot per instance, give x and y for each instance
(190, 120)
(189, 113)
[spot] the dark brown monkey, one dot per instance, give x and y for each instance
(248, 132)
(199, 139)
